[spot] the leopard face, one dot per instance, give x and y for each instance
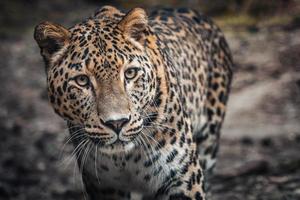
(100, 79)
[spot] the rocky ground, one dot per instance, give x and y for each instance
(259, 156)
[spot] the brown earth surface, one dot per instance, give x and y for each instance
(259, 156)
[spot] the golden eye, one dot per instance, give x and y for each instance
(131, 73)
(82, 80)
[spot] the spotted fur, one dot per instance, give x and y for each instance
(144, 97)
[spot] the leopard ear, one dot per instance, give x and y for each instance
(134, 24)
(50, 38)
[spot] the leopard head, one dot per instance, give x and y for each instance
(99, 74)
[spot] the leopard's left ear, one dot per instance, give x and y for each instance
(51, 38)
(134, 24)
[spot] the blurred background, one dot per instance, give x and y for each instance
(259, 156)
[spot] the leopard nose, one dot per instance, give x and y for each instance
(116, 125)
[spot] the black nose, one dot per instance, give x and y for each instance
(116, 125)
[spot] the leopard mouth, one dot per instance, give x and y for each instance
(110, 141)
(113, 147)
(105, 140)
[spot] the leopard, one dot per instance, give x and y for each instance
(144, 98)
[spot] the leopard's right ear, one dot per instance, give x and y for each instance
(51, 38)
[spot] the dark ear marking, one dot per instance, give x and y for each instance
(50, 38)
(134, 24)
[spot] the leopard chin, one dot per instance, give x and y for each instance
(118, 147)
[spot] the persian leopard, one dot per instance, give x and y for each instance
(144, 98)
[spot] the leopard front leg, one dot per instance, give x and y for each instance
(192, 187)
(189, 184)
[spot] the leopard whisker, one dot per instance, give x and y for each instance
(96, 161)
(162, 150)
(70, 138)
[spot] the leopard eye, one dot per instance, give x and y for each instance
(82, 80)
(131, 73)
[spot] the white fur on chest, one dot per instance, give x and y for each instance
(122, 173)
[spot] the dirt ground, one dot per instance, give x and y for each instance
(259, 156)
